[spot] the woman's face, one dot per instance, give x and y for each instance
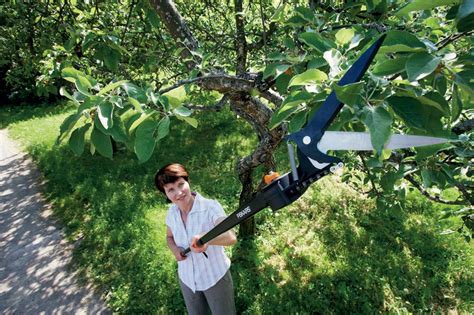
(178, 192)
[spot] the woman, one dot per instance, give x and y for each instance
(204, 276)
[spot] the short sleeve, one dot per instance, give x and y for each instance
(169, 218)
(216, 211)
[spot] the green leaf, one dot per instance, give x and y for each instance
(135, 92)
(72, 73)
(88, 41)
(192, 121)
(389, 179)
(109, 55)
(317, 62)
(152, 17)
(440, 84)
(105, 111)
(173, 101)
(112, 60)
(118, 130)
(464, 152)
(102, 143)
(420, 65)
(67, 126)
(289, 43)
(436, 100)
(465, 17)
(417, 5)
(282, 82)
(355, 41)
(316, 41)
(64, 92)
(163, 128)
(465, 79)
(424, 152)
(426, 176)
(305, 13)
(111, 86)
(92, 101)
(275, 70)
(182, 111)
(144, 116)
(344, 36)
(379, 122)
(76, 141)
(298, 121)
(135, 103)
(349, 94)
(145, 140)
(279, 14)
(83, 85)
(70, 43)
(296, 21)
(289, 106)
(390, 66)
(333, 57)
(311, 76)
(129, 118)
(379, 7)
(116, 100)
(178, 93)
(401, 41)
(374, 163)
(415, 114)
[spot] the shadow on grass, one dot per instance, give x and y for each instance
(10, 114)
(364, 263)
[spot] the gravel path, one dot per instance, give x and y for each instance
(35, 277)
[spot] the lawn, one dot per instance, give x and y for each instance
(330, 252)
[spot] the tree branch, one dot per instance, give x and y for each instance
(451, 38)
(212, 108)
(464, 126)
(272, 97)
(427, 195)
(367, 170)
(178, 28)
(257, 115)
(218, 82)
(132, 5)
(240, 41)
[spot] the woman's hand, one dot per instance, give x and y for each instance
(177, 254)
(195, 247)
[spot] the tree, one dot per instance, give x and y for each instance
(274, 63)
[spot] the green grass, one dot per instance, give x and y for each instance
(330, 252)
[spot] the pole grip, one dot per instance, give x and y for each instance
(187, 250)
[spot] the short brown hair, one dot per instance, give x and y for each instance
(169, 174)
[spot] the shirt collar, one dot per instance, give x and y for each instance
(197, 205)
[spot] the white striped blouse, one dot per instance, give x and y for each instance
(196, 271)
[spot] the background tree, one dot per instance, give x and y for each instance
(137, 66)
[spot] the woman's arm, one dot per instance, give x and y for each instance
(225, 239)
(175, 249)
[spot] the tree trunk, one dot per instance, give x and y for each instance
(239, 89)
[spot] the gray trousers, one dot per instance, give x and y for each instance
(218, 300)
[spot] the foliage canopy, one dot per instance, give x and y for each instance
(134, 67)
